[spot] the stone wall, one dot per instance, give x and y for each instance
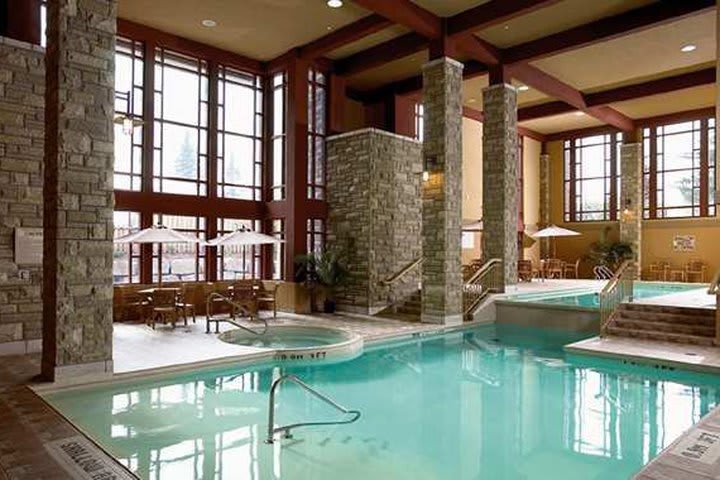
(545, 211)
(22, 86)
(78, 189)
(375, 212)
(631, 197)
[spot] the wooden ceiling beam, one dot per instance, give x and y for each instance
(605, 29)
(407, 13)
(344, 36)
(620, 94)
(395, 49)
(492, 13)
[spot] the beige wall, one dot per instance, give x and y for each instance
(472, 185)
(657, 234)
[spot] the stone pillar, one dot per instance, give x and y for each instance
(442, 192)
(631, 197)
(545, 179)
(500, 178)
(78, 189)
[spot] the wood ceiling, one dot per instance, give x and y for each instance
(615, 60)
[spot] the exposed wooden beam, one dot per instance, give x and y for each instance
(407, 13)
(492, 13)
(344, 35)
(624, 93)
(606, 29)
(554, 87)
(381, 54)
(653, 87)
(478, 49)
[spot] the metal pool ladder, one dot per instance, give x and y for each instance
(272, 430)
(209, 318)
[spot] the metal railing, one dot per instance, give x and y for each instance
(488, 279)
(272, 429)
(602, 272)
(229, 301)
(392, 280)
(714, 289)
(618, 290)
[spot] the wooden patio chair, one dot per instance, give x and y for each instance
(553, 268)
(244, 295)
(695, 270)
(571, 270)
(658, 271)
(163, 306)
(267, 296)
(183, 306)
(525, 270)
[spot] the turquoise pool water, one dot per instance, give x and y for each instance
(497, 402)
(590, 299)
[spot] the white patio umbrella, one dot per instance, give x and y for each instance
(244, 237)
(554, 231)
(157, 234)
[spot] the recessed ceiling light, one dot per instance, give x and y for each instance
(506, 27)
(579, 114)
(330, 27)
(523, 88)
(334, 3)
(209, 23)
(472, 100)
(688, 48)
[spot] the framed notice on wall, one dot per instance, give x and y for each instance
(28, 246)
(684, 243)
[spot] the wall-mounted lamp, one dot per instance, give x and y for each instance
(425, 176)
(627, 215)
(128, 121)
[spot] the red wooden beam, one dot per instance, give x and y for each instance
(478, 49)
(492, 13)
(381, 54)
(345, 35)
(624, 93)
(606, 29)
(407, 13)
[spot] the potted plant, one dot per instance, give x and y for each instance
(324, 269)
(610, 253)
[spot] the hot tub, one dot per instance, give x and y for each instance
(301, 344)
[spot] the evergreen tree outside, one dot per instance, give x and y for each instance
(186, 161)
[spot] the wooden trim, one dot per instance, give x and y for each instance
(605, 29)
(408, 14)
(148, 116)
(394, 49)
(344, 35)
(492, 13)
(172, 204)
(704, 169)
(480, 50)
(676, 117)
(21, 20)
(185, 46)
(580, 132)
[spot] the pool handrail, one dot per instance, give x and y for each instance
(229, 301)
(488, 279)
(714, 289)
(616, 290)
(272, 430)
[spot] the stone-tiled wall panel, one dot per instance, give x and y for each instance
(374, 212)
(442, 192)
(545, 196)
(500, 178)
(631, 197)
(78, 186)
(22, 132)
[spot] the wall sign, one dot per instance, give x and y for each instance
(28, 246)
(684, 243)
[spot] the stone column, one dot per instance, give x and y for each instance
(544, 202)
(442, 192)
(500, 178)
(78, 189)
(631, 197)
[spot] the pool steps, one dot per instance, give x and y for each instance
(685, 325)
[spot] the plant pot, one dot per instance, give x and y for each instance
(329, 306)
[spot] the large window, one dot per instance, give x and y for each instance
(279, 92)
(126, 257)
(317, 116)
(238, 261)
(679, 170)
(591, 178)
(180, 262)
(181, 116)
(419, 121)
(240, 127)
(129, 73)
(278, 253)
(315, 235)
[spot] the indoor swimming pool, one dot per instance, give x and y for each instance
(588, 298)
(494, 402)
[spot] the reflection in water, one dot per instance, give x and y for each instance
(460, 406)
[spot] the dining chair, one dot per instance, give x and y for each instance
(163, 306)
(695, 270)
(182, 304)
(267, 296)
(571, 270)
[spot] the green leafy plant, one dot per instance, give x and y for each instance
(326, 269)
(608, 252)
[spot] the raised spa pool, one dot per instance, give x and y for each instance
(590, 299)
(495, 402)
